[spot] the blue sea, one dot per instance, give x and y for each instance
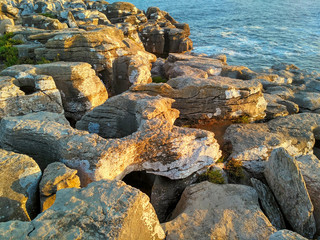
(253, 33)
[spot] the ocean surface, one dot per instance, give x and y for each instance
(253, 33)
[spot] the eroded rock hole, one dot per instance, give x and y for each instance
(28, 90)
(26, 85)
(316, 149)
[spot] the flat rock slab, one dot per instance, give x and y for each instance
(19, 178)
(286, 181)
(103, 210)
(213, 211)
(253, 143)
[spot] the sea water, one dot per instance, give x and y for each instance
(253, 33)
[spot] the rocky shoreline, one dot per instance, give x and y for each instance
(110, 128)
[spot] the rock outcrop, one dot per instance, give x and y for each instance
(103, 210)
(285, 180)
(55, 177)
(286, 235)
(213, 211)
(19, 177)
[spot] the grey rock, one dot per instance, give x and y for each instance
(285, 180)
(286, 235)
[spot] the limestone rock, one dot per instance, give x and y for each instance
(286, 235)
(253, 143)
(19, 177)
(213, 211)
(285, 179)
(215, 98)
(278, 107)
(24, 93)
(42, 22)
(269, 204)
(310, 169)
(103, 210)
(157, 146)
(55, 177)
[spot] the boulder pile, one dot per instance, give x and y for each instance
(111, 129)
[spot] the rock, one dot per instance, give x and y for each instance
(103, 210)
(25, 93)
(307, 101)
(253, 143)
(45, 7)
(215, 98)
(8, 11)
(158, 68)
(238, 72)
(19, 177)
(26, 7)
(213, 211)
(42, 22)
(286, 235)
(26, 51)
(156, 146)
(4, 25)
(278, 107)
(309, 166)
(81, 90)
(269, 204)
(55, 177)
(120, 9)
(84, 15)
(285, 180)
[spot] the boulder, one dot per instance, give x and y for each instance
(155, 145)
(214, 211)
(19, 177)
(217, 98)
(286, 235)
(310, 169)
(80, 88)
(269, 204)
(55, 177)
(253, 143)
(103, 210)
(24, 93)
(285, 180)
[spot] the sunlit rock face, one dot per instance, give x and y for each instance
(55, 177)
(253, 143)
(80, 88)
(19, 177)
(153, 143)
(213, 211)
(102, 210)
(285, 180)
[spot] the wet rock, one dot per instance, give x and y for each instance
(55, 177)
(25, 93)
(253, 143)
(208, 210)
(19, 175)
(214, 98)
(309, 166)
(103, 210)
(285, 179)
(269, 204)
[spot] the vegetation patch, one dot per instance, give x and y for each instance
(159, 79)
(213, 176)
(243, 119)
(8, 52)
(49, 15)
(234, 169)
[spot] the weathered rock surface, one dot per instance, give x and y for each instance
(286, 235)
(19, 177)
(215, 98)
(81, 90)
(103, 210)
(310, 169)
(42, 22)
(269, 204)
(24, 93)
(278, 107)
(285, 179)
(213, 211)
(253, 143)
(157, 146)
(55, 177)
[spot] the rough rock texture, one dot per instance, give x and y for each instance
(310, 169)
(80, 88)
(19, 177)
(24, 93)
(157, 146)
(269, 204)
(213, 211)
(215, 98)
(286, 235)
(103, 210)
(55, 177)
(43, 22)
(278, 107)
(285, 180)
(253, 143)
